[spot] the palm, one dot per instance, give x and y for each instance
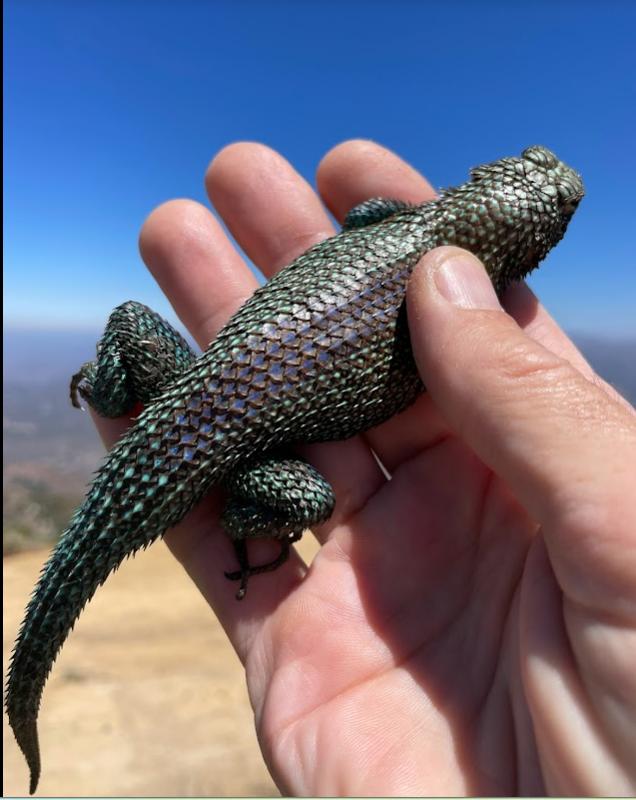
(409, 626)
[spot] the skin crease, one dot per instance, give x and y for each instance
(468, 627)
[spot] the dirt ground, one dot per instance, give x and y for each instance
(147, 696)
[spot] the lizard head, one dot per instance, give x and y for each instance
(527, 203)
(557, 184)
(554, 193)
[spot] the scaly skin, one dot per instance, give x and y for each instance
(320, 353)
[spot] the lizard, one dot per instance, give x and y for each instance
(319, 353)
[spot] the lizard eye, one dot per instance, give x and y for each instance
(569, 195)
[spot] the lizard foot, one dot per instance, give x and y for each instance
(246, 571)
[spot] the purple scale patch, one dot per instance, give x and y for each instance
(241, 357)
(284, 321)
(255, 397)
(291, 358)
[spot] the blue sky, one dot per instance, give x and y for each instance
(113, 107)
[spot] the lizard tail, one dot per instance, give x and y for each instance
(68, 581)
(56, 603)
(97, 540)
(26, 734)
(49, 617)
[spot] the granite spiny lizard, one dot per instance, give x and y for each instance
(321, 352)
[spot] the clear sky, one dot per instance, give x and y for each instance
(113, 107)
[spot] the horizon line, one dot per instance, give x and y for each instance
(30, 327)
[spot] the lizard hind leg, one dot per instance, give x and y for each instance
(275, 497)
(137, 357)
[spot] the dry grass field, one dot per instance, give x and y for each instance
(147, 696)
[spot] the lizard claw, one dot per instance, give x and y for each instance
(80, 388)
(239, 575)
(246, 571)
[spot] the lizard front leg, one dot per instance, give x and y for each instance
(137, 357)
(274, 497)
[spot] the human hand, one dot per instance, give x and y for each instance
(467, 627)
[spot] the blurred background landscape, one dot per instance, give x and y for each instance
(114, 106)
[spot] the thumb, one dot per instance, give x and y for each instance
(564, 447)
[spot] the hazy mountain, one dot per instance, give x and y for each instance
(39, 423)
(613, 359)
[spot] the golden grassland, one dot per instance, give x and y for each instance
(147, 696)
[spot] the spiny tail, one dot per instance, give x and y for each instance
(96, 542)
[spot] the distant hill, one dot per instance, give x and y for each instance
(51, 449)
(613, 359)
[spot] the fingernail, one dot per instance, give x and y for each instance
(462, 280)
